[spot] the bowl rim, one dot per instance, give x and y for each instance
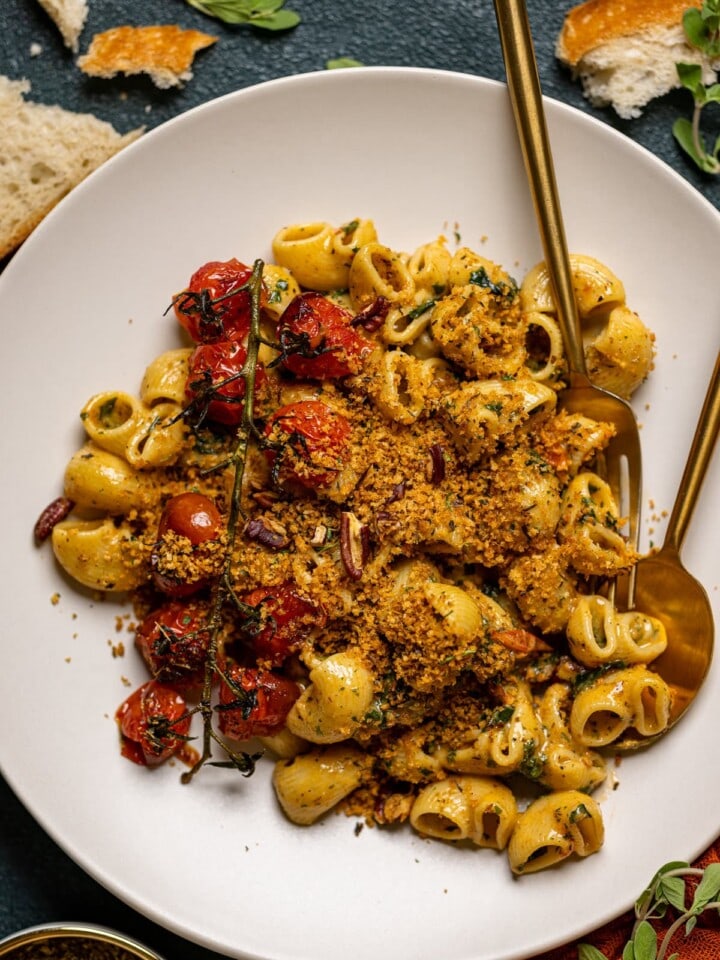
(75, 929)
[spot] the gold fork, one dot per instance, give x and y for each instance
(622, 458)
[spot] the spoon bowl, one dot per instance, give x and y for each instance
(664, 588)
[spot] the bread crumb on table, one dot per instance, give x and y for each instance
(165, 53)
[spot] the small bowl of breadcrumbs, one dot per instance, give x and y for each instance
(72, 941)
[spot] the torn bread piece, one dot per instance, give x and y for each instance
(163, 52)
(624, 51)
(45, 151)
(69, 17)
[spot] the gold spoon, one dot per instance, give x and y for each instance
(622, 466)
(664, 588)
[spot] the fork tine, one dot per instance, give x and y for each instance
(623, 473)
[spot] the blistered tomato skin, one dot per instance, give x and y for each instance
(318, 339)
(191, 515)
(213, 306)
(308, 443)
(217, 367)
(284, 619)
(195, 517)
(259, 704)
(173, 642)
(153, 724)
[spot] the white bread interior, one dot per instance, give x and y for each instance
(44, 152)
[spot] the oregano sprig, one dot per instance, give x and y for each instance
(265, 14)
(666, 894)
(702, 30)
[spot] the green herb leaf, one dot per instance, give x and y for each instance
(645, 941)
(707, 890)
(702, 26)
(340, 63)
(690, 76)
(265, 14)
(628, 951)
(672, 889)
(702, 31)
(644, 901)
(586, 951)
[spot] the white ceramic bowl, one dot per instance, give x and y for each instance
(421, 152)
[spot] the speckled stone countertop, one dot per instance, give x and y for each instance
(38, 882)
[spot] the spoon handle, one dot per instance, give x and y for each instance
(698, 459)
(526, 99)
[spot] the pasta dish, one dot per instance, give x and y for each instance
(361, 535)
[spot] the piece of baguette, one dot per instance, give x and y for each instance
(69, 17)
(164, 52)
(44, 152)
(624, 51)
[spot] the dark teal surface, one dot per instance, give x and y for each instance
(38, 882)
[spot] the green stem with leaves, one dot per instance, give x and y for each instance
(223, 588)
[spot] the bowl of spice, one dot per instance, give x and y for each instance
(72, 941)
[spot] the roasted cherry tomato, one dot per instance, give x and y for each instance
(210, 366)
(153, 724)
(213, 306)
(318, 339)
(283, 619)
(195, 517)
(173, 642)
(308, 443)
(191, 515)
(256, 704)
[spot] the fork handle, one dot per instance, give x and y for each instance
(526, 98)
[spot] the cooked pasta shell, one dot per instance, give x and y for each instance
(621, 356)
(282, 288)
(99, 554)
(307, 250)
(378, 271)
(309, 785)
(98, 480)
(589, 526)
(595, 285)
(466, 808)
(145, 436)
(544, 344)
(165, 378)
(553, 828)
(334, 704)
(598, 634)
(284, 744)
(566, 767)
(459, 613)
(429, 266)
(618, 700)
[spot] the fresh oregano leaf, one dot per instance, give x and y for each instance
(341, 62)
(265, 14)
(645, 941)
(702, 31)
(684, 133)
(707, 890)
(672, 889)
(628, 951)
(690, 76)
(586, 951)
(644, 901)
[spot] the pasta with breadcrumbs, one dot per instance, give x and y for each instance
(362, 535)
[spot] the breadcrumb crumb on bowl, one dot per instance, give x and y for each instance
(73, 941)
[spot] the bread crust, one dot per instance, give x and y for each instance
(165, 52)
(594, 22)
